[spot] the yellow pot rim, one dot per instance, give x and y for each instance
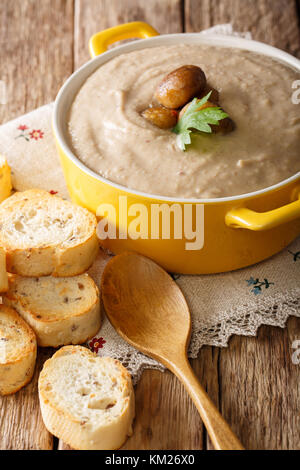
(75, 81)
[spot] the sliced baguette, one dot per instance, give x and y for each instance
(17, 351)
(5, 180)
(86, 400)
(3, 273)
(46, 235)
(59, 310)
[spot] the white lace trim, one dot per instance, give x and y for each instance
(245, 320)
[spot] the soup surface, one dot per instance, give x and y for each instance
(109, 135)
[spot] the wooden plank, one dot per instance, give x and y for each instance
(272, 21)
(36, 52)
(259, 388)
(36, 58)
(21, 425)
(92, 16)
(165, 416)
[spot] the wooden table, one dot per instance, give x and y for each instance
(253, 381)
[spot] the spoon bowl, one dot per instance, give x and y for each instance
(146, 306)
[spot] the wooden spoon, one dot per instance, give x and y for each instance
(148, 310)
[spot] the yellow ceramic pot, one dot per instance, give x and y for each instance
(236, 231)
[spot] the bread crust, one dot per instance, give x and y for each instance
(16, 368)
(5, 179)
(53, 330)
(76, 433)
(57, 259)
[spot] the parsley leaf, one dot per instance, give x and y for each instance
(199, 120)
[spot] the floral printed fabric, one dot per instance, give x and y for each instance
(28, 134)
(28, 144)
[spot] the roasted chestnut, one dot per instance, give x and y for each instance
(161, 117)
(179, 86)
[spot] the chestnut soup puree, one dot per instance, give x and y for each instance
(112, 134)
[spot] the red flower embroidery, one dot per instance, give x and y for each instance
(36, 134)
(53, 192)
(96, 344)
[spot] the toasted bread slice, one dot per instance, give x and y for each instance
(86, 400)
(3, 273)
(46, 235)
(17, 351)
(5, 180)
(61, 311)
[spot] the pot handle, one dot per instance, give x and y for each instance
(245, 218)
(136, 29)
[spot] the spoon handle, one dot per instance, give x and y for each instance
(219, 431)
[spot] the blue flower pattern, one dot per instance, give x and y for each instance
(296, 256)
(258, 285)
